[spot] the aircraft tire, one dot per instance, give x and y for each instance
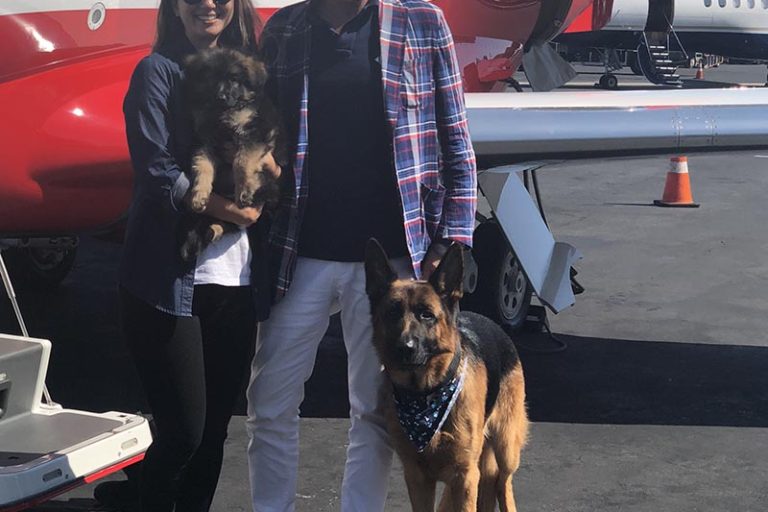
(39, 268)
(503, 293)
(609, 82)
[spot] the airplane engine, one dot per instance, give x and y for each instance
(65, 157)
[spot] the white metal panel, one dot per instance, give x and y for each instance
(518, 126)
(696, 15)
(124, 437)
(628, 15)
(546, 263)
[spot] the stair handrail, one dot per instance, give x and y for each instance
(6, 278)
(674, 33)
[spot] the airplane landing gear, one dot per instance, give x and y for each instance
(608, 81)
(502, 292)
(42, 266)
(514, 84)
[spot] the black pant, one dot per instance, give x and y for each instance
(192, 369)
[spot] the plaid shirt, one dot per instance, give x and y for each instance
(424, 104)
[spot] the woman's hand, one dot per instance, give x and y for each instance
(226, 210)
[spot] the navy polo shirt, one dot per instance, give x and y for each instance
(353, 192)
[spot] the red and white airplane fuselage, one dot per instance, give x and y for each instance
(65, 66)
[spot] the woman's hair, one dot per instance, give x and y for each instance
(239, 34)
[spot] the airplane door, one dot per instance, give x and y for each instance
(661, 15)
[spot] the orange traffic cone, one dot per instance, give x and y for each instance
(677, 189)
(700, 72)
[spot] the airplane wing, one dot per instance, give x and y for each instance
(509, 128)
(514, 132)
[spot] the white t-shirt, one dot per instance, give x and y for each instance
(226, 262)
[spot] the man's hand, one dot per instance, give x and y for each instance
(437, 250)
(270, 165)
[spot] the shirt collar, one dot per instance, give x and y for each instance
(177, 48)
(314, 18)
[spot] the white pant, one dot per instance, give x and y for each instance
(285, 356)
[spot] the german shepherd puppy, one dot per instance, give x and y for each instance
(235, 127)
(456, 411)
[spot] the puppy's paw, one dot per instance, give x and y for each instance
(215, 231)
(198, 201)
(245, 199)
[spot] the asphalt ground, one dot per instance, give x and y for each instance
(659, 402)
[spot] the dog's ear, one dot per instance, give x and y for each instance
(379, 275)
(448, 277)
(257, 73)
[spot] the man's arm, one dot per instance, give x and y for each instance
(459, 170)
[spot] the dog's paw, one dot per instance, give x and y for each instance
(198, 202)
(214, 232)
(244, 199)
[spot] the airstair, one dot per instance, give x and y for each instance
(46, 450)
(653, 56)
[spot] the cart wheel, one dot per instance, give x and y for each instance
(503, 293)
(40, 268)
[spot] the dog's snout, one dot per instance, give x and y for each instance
(408, 345)
(228, 93)
(410, 351)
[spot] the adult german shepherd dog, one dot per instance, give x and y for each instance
(235, 127)
(456, 411)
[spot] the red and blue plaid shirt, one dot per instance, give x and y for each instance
(424, 103)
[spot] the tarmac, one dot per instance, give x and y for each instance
(658, 403)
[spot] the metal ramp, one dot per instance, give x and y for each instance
(46, 450)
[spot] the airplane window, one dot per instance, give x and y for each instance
(722, 2)
(751, 4)
(765, 4)
(737, 3)
(708, 3)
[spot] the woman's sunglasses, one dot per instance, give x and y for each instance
(217, 2)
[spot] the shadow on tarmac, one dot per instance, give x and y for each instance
(606, 381)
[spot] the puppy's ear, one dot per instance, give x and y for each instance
(379, 275)
(448, 278)
(257, 73)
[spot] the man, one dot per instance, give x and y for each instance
(370, 93)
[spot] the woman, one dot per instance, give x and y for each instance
(189, 328)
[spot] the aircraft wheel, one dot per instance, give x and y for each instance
(609, 81)
(503, 293)
(39, 268)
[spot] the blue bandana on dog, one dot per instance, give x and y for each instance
(422, 414)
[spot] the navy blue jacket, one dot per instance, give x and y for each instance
(160, 136)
